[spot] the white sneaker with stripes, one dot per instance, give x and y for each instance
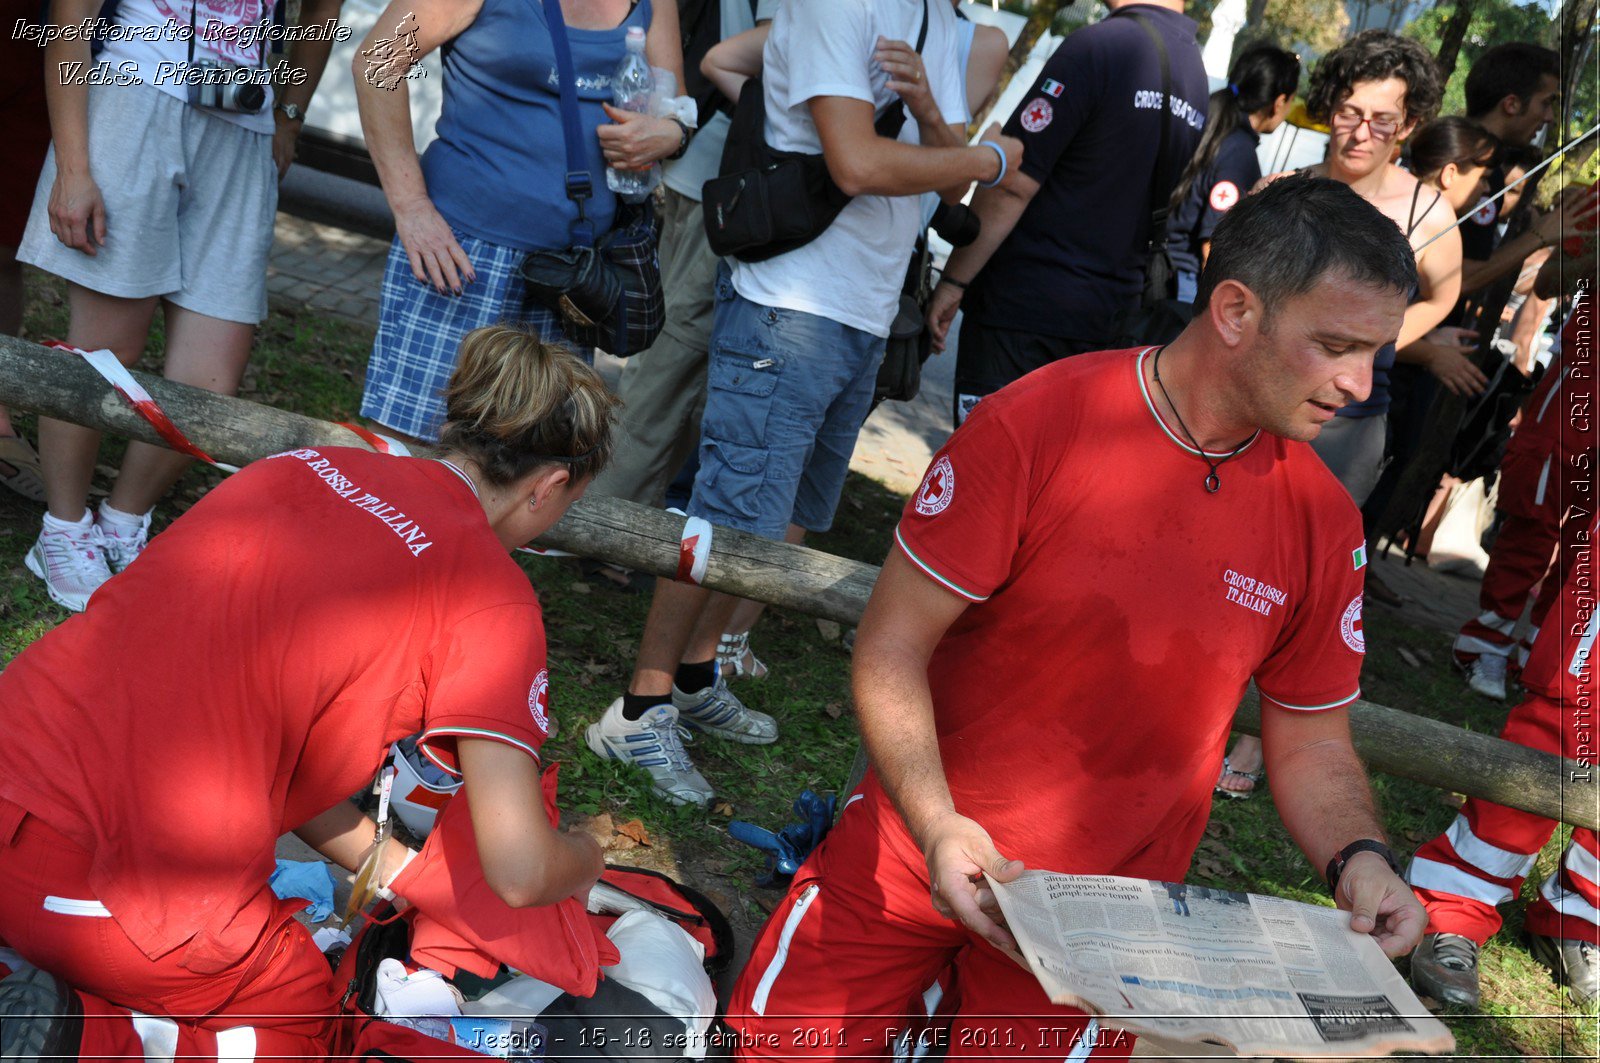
(652, 742)
(716, 710)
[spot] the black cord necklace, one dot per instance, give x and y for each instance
(1213, 481)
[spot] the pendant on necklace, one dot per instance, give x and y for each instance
(1213, 483)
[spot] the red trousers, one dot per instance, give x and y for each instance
(1481, 860)
(277, 1000)
(1532, 528)
(846, 960)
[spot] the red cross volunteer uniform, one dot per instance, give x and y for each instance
(1083, 700)
(245, 675)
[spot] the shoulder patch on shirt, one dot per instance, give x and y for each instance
(1486, 214)
(1350, 626)
(1037, 114)
(1052, 88)
(1358, 557)
(1224, 194)
(938, 487)
(539, 701)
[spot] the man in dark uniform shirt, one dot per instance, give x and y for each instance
(1061, 249)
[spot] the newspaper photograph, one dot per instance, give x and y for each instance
(1192, 964)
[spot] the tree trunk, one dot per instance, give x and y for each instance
(1257, 12)
(1576, 47)
(56, 384)
(1040, 17)
(1455, 31)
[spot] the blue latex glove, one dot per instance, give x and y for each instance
(307, 881)
(788, 848)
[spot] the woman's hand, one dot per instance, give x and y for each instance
(1447, 351)
(908, 79)
(77, 212)
(633, 141)
(436, 258)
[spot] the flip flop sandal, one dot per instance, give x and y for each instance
(1238, 795)
(22, 461)
(733, 651)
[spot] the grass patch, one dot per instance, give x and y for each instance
(313, 364)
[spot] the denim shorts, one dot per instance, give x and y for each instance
(786, 393)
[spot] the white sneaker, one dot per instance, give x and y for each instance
(121, 549)
(1486, 674)
(72, 564)
(716, 710)
(652, 742)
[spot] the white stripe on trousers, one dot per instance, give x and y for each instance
(1491, 859)
(1447, 878)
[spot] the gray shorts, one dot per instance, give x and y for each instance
(190, 201)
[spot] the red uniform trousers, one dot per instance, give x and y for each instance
(278, 1000)
(1533, 526)
(1481, 860)
(841, 967)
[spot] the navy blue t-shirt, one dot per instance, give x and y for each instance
(1090, 137)
(1229, 178)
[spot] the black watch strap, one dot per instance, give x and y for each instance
(1365, 845)
(688, 135)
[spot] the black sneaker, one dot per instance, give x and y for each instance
(1445, 967)
(40, 1017)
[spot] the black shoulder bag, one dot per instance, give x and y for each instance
(606, 292)
(1157, 317)
(766, 202)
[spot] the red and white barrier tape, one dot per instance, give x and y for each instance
(694, 550)
(133, 393)
(378, 441)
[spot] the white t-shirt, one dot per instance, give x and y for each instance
(688, 175)
(159, 58)
(854, 271)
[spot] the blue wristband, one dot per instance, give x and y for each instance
(998, 150)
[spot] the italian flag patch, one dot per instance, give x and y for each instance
(1358, 557)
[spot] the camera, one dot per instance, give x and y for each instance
(215, 85)
(956, 223)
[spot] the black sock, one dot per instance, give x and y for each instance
(634, 706)
(692, 677)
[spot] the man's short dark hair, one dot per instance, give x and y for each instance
(1513, 69)
(1281, 241)
(1375, 55)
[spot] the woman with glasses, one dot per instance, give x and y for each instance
(1372, 92)
(245, 678)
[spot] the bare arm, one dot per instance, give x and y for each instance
(525, 861)
(1445, 352)
(903, 623)
(77, 213)
(312, 58)
(984, 63)
(632, 141)
(864, 164)
(436, 257)
(908, 79)
(998, 210)
(344, 834)
(1328, 806)
(730, 63)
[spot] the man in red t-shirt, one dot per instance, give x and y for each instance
(1094, 568)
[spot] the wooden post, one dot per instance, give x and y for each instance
(61, 385)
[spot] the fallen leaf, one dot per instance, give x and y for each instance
(579, 587)
(597, 667)
(620, 843)
(722, 808)
(833, 709)
(634, 830)
(1408, 657)
(829, 630)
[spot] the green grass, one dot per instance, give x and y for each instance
(311, 363)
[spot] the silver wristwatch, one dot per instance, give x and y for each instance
(292, 111)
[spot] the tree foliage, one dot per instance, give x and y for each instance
(1493, 22)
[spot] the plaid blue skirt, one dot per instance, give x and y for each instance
(420, 331)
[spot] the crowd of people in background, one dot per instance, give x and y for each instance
(745, 410)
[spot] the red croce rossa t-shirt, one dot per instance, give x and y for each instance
(1119, 612)
(249, 672)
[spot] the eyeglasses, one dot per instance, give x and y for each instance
(1381, 126)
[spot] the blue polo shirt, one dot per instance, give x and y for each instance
(1090, 133)
(1229, 178)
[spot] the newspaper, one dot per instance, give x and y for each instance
(1191, 964)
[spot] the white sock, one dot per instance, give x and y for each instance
(122, 523)
(56, 524)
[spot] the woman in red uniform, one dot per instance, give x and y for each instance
(246, 676)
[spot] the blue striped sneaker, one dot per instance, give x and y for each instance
(652, 742)
(716, 710)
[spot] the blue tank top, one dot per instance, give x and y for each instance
(496, 170)
(1378, 401)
